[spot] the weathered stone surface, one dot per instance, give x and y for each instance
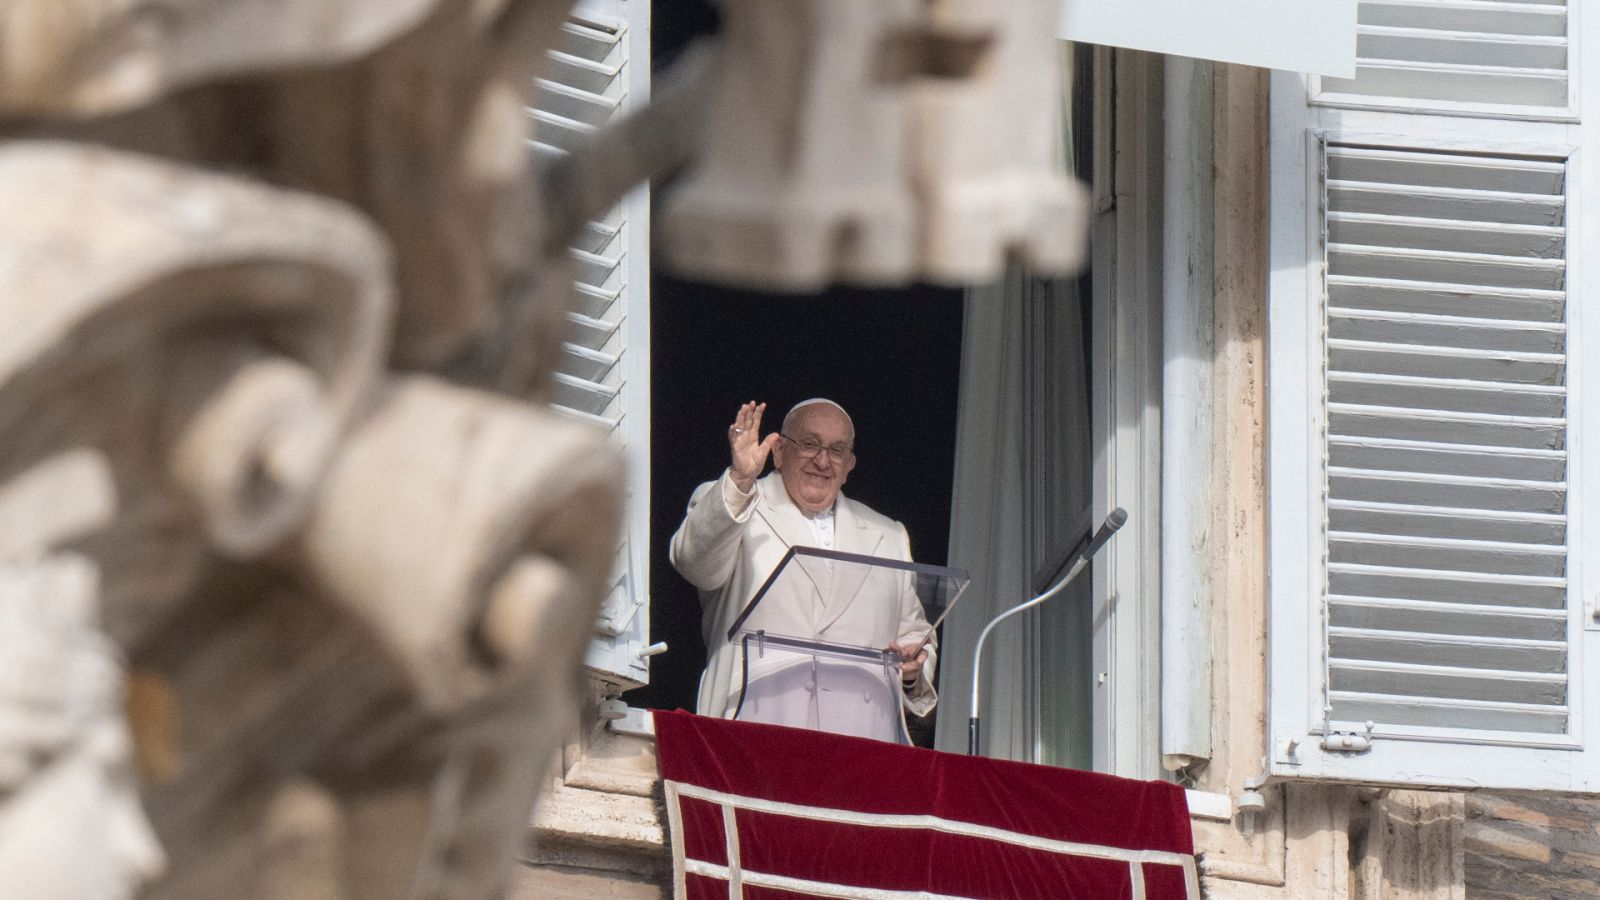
(428, 136)
(85, 57)
(1520, 846)
(353, 601)
(805, 175)
(1406, 845)
(206, 339)
(552, 882)
(70, 822)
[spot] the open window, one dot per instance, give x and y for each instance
(1431, 389)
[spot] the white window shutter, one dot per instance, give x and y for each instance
(1471, 57)
(600, 71)
(1296, 35)
(1432, 617)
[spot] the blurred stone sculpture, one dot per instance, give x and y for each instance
(429, 137)
(90, 57)
(279, 300)
(805, 175)
(880, 143)
(206, 338)
(353, 602)
(987, 144)
(71, 827)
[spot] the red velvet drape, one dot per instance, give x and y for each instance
(878, 819)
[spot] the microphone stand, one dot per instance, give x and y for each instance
(1079, 558)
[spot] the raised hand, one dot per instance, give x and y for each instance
(747, 448)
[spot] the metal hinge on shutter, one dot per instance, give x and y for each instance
(1349, 741)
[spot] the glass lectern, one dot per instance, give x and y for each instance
(816, 644)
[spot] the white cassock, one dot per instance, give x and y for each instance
(727, 546)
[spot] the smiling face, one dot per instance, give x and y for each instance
(813, 483)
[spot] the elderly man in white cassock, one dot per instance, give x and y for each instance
(737, 530)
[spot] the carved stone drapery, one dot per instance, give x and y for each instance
(880, 143)
(208, 339)
(352, 602)
(278, 300)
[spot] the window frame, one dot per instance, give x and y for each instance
(1126, 415)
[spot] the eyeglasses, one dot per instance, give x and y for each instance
(810, 447)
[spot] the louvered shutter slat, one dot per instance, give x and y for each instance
(1464, 621)
(598, 270)
(1458, 362)
(561, 134)
(1404, 583)
(1448, 393)
(1424, 329)
(1448, 713)
(1470, 651)
(1468, 683)
(585, 364)
(1490, 557)
(1468, 15)
(1397, 423)
(1447, 267)
(593, 301)
(1403, 297)
(1413, 519)
(595, 237)
(575, 105)
(1414, 489)
(593, 333)
(1426, 233)
(1409, 169)
(1436, 45)
(1431, 456)
(594, 76)
(1418, 519)
(1421, 81)
(1462, 204)
(1400, 423)
(596, 399)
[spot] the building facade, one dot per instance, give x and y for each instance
(1336, 373)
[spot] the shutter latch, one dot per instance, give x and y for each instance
(1349, 741)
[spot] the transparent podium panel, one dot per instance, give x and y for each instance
(806, 684)
(818, 644)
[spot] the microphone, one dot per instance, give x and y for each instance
(1075, 562)
(1113, 522)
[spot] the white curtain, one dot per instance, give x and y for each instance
(1020, 498)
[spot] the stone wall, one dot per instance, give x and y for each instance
(1521, 846)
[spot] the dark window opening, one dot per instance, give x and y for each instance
(890, 357)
